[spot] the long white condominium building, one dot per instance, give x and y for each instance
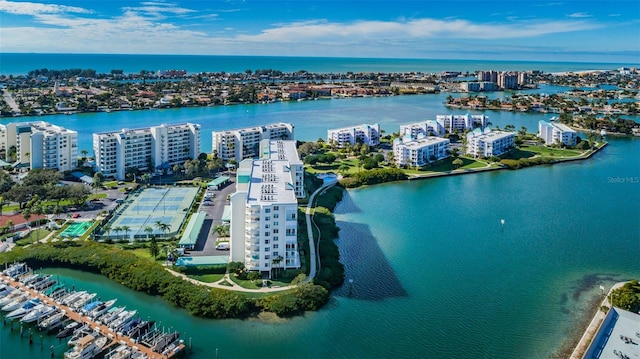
(489, 143)
(554, 133)
(461, 123)
(264, 210)
(146, 149)
(425, 128)
(419, 151)
(39, 145)
(365, 134)
(243, 143)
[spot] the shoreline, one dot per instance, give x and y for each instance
(593, 328)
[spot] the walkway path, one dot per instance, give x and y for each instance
(594, 327)
(312, 252)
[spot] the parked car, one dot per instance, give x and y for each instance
(224, 246)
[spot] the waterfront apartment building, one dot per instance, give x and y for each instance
(364, 134)
(461, 123)
(425, 128)
(264, 209)
(489, 143)
(150, 149)
(554, 133)
(243, 143)
(419, 151)
(39, 145)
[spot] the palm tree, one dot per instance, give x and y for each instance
(163, 227)
(153, 247)
(26, 213)
(126, 229)
(84, 154)
(117, 229)
(148, 230)
(276, 264)
(170, 249)
(106, 229)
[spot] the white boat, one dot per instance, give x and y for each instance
(70, 298)
(28, 278)
(11, 297)
(101, 309)
(121, 352)
(17, 303)
(84, 299)
(24, 309)
(111, 315)
(6, 290)
(122, 319)
(87, 347)
(38, 313)
(52, 320)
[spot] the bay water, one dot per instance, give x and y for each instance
(435, 274)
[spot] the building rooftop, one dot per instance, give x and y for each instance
(618, 337)
(271, 182)
(424, 141)
(280, 150)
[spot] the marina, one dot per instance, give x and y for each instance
(96, 328)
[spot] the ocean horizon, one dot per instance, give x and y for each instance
(17, 64)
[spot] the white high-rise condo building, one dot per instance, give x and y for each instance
(243, 143)
(461, 123)
(554, 133)
(489, 143)
(419, 151)
(150, 149)
(426, 128)
(39, 145)
(264, 209)
(364, 134)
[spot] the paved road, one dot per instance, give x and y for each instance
(312, 246)
(10, 101)
(207, 240)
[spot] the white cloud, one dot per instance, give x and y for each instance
(31, 8)
(155, 27)
(579, 15)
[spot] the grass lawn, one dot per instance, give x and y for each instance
(542, 151)
(35, 235)
(16, 207)
(446, 165)
(246, 283)
(207, 278)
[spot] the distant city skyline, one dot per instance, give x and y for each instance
(580, 31)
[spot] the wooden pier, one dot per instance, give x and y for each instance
(112, 335)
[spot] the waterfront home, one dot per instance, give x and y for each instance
(365, 134)
(554, 133)
(425, 128)
(264, 209)
(39, 145)
(146, 149)
(419, 151)
(489, 143)
(461, 123)
(243, 143)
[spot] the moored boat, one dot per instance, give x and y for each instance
(52, 320)
(24, 309)
(68, 330)
(87, 347)
(38, 313)
(17, 303)
(11, 297)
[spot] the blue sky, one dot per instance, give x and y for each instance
(583, 31)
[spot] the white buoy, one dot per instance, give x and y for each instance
(502, 222)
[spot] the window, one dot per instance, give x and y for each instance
(275, 231)
(275, 238)
(275, 254)
(267, 256)
(267, 210)
(276, 208)
(275, 224)
(266, 241)
(275, 245)
(267, 218)
(267, 234)
(266, 226)
(275, 216)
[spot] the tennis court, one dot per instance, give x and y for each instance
(139, 215)
(76, 229)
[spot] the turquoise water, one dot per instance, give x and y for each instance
(19, 64)
(434, 273)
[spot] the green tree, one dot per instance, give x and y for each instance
(154, 250)
(457, 163)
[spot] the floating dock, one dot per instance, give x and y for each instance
(114, 337)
